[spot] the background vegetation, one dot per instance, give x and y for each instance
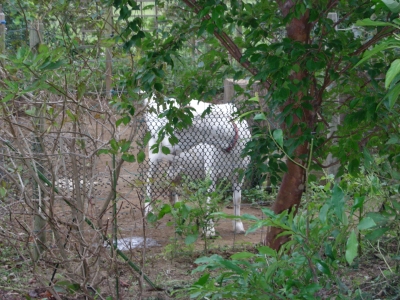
(331, 75)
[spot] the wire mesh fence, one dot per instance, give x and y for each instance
(211, 147)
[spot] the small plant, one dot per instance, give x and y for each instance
(192, 216)
(325, 238)
(259, 195)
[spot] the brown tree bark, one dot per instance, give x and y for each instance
(293, 182)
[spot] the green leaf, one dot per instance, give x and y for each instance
(103, 151)
(338, 200)
(165, 150)
(242, 255)
(146, 138)
(354, 167)
(128, 157)
(265, 250)
(368, 54)
(166, 208)
(392, 72)
(393, 95)
(158, 86)
(173, 140)
(208, 259)
(191, 238)
(394, 140)
(125, 120)
(114, 144)
(323, 213)
(3, 192)
(125, 146)
(376, 234)
(71, 115)
(268, 212)
(351, 247)
(260, 117)
(393, 5)
(323, 267)
(204, 11)
(202, 280)
(278, 136)
(249, 217)
(81, 89)
(366, 223)
(244, 115)
(358, 203)
(151, 217)
(368, 159)
(271, 270)
(369, 22)
(396, 204)
(231, 266)
(7, 98)
(54, 65)
(379, 218)
(141, 156)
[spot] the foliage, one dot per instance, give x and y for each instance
(192, 215)
(392, 74)
(329, 81)
(259, 195)
(50, 94)
(324, 240)
(337, 222)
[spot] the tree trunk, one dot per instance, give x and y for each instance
(293, 182)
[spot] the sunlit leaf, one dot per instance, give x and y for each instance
(366, 223)
(393, 95)
(165, 150)
(351, 247)
(260, 116)
(265, 250)
(393, 5)
(392, 72)
(376, 234)
(128, 157)
(202, 280)
(323, 267)
(191, 238)
(369, 22)
(278, 136)
(124, 120)
(242, 255)
(141, 156)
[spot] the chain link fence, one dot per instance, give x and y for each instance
(211, 147)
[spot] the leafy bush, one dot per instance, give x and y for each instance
(193, 215)
(326, 236)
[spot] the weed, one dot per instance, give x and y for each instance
(192, 216)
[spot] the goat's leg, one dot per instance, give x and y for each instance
(173, 197)
(237, 223)
(209, 229)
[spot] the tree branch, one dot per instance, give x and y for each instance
(227, 42)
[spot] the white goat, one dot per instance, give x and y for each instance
(216, 141)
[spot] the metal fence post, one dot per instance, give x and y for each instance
(2, 32)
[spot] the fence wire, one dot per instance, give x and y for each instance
(212, 147)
